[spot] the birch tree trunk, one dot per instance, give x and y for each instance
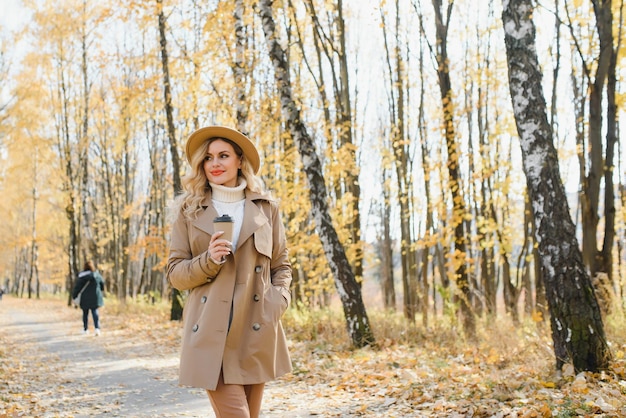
(88, 241)
(577, 329)
(349, 290)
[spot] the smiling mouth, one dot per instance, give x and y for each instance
(216, 173)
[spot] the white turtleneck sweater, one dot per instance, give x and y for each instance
(230, 201)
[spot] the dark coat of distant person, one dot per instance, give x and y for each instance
(93, 296)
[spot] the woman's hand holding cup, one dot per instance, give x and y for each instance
(221, 245)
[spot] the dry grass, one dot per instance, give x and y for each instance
(508, 369)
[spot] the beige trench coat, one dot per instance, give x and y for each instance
(254, 281)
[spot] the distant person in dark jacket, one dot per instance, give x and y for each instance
(92, 296)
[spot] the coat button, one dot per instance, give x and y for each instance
(195, 328)
(203, 299)
(257, 298)
(256, 326)
(258, 269)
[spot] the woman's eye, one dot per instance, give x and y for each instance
(207, 158)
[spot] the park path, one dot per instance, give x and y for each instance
(66, 374)
(91, 375)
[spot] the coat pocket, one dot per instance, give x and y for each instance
(275, 304)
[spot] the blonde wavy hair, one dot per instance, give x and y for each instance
(196, 185)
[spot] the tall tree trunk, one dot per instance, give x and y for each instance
(335, 51)
(349, 290)
(403, 164)
(591, 185)
(426, 264)
(239, 67)
(71, 173)
(125, 221)
(34, 251)
(88, 241)
(167, 100)
(157, 209)
(176, 312)
(605, 258)
(429, 229)
(511, 290)
(621, 253)
(385, 247)
(458, 214)
(112, 209)
(346, 136)
(577, 329)
(488, 275)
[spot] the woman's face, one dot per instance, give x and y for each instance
(221, 163)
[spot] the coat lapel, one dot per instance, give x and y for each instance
(204, 221)
(253, 217)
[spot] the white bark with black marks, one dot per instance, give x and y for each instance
(349, 290)
(577, 329)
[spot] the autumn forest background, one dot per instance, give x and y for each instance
(408, 109)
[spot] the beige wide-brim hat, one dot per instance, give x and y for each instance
(197, 138)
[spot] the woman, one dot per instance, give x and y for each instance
(91, 297)
(233, 340)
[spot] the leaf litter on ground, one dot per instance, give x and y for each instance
(507, 372)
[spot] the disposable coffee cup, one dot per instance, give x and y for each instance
(224, 223)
